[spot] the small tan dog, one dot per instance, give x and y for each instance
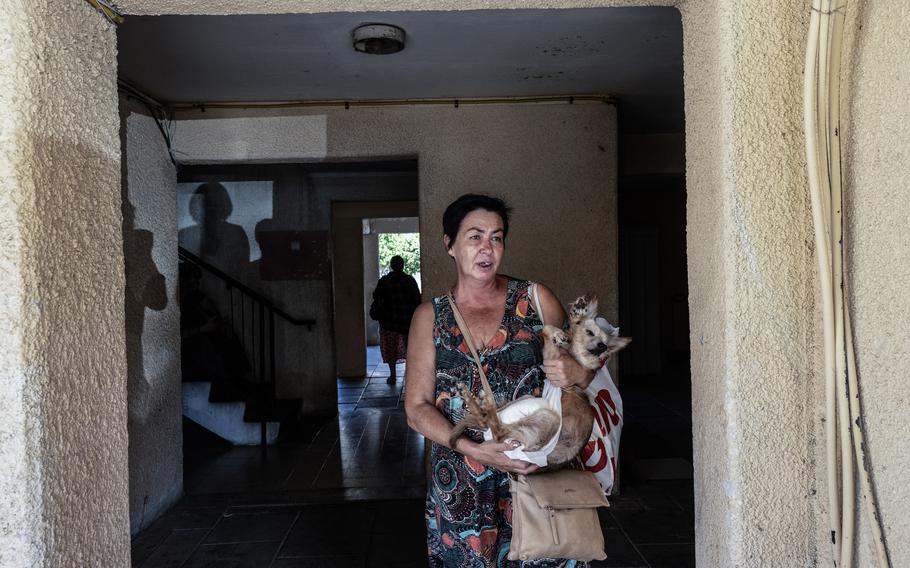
(591, 346)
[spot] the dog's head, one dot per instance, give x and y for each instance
(600, 341)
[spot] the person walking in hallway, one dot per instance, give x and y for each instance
(394, 300)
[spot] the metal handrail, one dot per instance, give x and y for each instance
(266, 329)
(187, 255)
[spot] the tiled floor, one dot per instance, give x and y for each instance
(353, 496)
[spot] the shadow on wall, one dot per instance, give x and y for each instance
(212, 238)
(145, 288)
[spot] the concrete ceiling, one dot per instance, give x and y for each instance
(634, 54)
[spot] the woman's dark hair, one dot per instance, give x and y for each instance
(459, 209)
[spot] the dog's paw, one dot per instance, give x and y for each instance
(584, 307)
(556, 336)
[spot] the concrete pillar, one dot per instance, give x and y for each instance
(370, 279)
(752, 288)
(63, 438)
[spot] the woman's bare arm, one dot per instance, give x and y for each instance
(420, 398)
(420, 378)
(563, 371)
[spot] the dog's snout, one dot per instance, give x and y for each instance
(599, 348)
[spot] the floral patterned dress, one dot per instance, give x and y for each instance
(469, 507)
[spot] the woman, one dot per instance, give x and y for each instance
(468, 500)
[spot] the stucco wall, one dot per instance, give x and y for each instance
(751, 285)
(63, 458)
(877, 157)
(152, 318)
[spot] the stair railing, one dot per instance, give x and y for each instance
(256, 331)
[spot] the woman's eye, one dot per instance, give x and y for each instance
(590, 334)
(474, 237)
(497, 239)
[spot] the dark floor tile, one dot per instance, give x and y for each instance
(344, 561)
(620, 552)
(237, 555)
(669, 555)
(384, 493)
(400, 518)
(657, 526)
(349, 396)
(651, 495)
(325, 531)
(379, 402)
(398, 555)
(145, 543)
(175, 549)
(263, 524)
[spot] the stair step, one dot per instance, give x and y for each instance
(223, 418)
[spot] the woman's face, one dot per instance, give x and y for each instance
(479, 244)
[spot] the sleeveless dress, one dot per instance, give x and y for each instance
(469, 507)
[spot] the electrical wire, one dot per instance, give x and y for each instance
(110, 11)
(821, 115)
(570, 99)
(160, 114)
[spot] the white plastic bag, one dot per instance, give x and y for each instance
(550, 397)
(600, 453)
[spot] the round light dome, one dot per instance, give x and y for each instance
(378, 39)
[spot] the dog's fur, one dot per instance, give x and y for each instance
(591, 347)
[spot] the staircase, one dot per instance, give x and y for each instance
(224, 419)
(244, 412)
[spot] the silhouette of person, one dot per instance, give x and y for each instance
(145, 289)
(394, 300)
(212, 238)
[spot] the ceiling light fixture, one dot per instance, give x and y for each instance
(378, 39)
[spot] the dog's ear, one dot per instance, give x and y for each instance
(591, 309)
(616, 344)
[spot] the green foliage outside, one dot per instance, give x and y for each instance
(405, 245)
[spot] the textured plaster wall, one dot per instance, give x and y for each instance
(152, 318)
(877, 155)
(752, 292)
(63, 436)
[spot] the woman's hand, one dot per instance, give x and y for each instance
(492, 454)
(564, 372)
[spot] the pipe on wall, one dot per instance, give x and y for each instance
(821, 114)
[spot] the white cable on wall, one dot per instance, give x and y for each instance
(821, 114)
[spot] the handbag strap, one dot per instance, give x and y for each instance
(466, 334)
(536, 302)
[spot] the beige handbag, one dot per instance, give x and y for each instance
(554, 514)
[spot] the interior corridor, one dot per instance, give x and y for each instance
(352, 496)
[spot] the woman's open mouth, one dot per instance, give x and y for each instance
(485, 264)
